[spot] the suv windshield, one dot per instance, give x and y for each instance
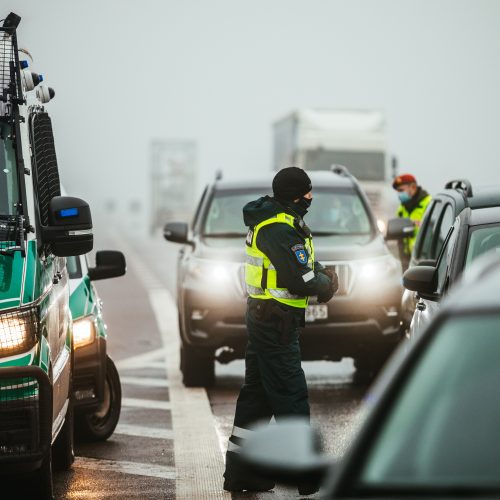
(333, 213)
(482, 240)
(442, 430)
(8, 184)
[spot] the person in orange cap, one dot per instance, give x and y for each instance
(414, 201)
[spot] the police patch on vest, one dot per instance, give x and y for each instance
(300, 253)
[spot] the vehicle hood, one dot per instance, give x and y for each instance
(11, 279)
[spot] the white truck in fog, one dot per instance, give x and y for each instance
(316, 139)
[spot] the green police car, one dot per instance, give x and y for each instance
(39, 228)
(96, 383)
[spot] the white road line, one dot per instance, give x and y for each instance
(145, 381)
(134, 468)
(146, 403)
(142, 360)
(141, 431)
(198, 458)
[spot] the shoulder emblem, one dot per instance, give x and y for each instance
(300, 253)
(249, 237)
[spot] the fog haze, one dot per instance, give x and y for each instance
(220, 72)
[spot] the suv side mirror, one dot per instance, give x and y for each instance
(176, 232)
(108, 264)
(69, 231)
(421, 279)
(399, 228)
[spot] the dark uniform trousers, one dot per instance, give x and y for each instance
(274, 384)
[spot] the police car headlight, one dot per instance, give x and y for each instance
(378, 268)
(210, 271)
(83, 332)
(17, 332)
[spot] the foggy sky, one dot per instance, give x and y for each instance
(221, 71)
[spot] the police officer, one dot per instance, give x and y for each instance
(281, 275)
(414, 201)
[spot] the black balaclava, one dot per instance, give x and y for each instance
(291, 183)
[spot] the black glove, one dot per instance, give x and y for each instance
(333, 278)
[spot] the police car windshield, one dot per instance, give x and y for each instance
(8, 183)
(334, 212)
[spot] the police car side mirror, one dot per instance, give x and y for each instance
(69, 231)
(399, 228)
(421, 279)
(177, 232)
(108, 264)
(288, 452)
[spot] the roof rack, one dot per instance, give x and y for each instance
(462, 185)
(340, 170)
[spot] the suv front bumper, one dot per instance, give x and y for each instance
(25, 418)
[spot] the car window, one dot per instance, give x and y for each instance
(446, 256)
(442, 429)
(74, 267)
(442, 230)
(334, 211)
(8, 173)
(483, 239)
(428, 231)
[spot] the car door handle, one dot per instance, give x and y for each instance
(421, 306)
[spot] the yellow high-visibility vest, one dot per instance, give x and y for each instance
(417, 214)
(261, 276)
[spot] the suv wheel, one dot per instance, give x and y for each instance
(101, 423)
(198, 368)
(368, 367)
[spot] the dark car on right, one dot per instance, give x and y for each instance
(461, 224)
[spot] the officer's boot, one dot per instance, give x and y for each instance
(238, 478)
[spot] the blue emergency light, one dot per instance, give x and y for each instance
(69, 212)
(24, 64)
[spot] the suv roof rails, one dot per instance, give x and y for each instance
(218, 174)
(461, 184)
(340, 170)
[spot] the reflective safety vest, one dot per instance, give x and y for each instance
(261, 276)
(417, 214)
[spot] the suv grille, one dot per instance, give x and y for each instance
(344, 272)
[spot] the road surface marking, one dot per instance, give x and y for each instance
(141, 431)
(141, 360)
(198, 460)
(146, 403)
(134, 468)
(145, 381)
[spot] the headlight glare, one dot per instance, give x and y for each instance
(17, 332)
(210, 271)
(377, 268)
(83, 332)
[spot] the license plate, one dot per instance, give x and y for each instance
(315, 312)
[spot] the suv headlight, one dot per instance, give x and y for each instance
(378, 268)
(210, 271)
(18, 331)
(83, 331)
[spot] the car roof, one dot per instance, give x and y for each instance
(478, 289)
(482, 196)
(489, 215)
(263, 182)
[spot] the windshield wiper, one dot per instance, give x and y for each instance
(224, 235)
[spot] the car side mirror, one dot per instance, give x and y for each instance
(177, 232)
(108, 264)
(69, 231)
(421, 279)
(399, 228)
(289, 452)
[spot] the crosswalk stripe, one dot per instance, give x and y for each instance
(146, 403)
(145, 381)
(141, 360)
(124, 467)
(141, 431)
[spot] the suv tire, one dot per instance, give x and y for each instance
(198, 368)
(101, 423)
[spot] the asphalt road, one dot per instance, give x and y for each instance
(159, 421)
